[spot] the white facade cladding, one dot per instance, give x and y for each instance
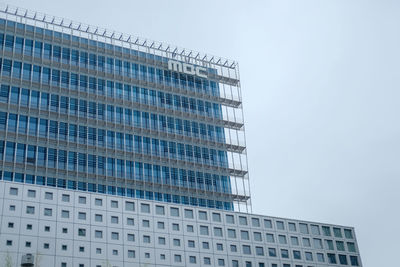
(70, 228)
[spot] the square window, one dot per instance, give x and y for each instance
(114, 219)
(98, 250)
(131, 237)
(174, 212)
(216, 217)
(129, 206)
(284, 253)
(205, 245)
(48, 195)
(147, 255)
(303, 228)
(329, 244)
(337, 232)
(191, 243)
(340, 245)
(268, 224)
(257, 236)
(306, 242)
(189, 228)
(189, 214)
(270, 238)
(177, 258)
(292, 227)
(175, 227)
(354, 261)
(309, 256)
(31, 193)
(65, 214)
(81, 232)
(326, 230)
(244, 235)
(160, 225)
(146, 239)
(115, 236)
(192, 259)
(30, 210)
(82, 215)
(221, 262)
(65, 198)
(207, 261)
(242, 220)
(231, 233)
(130, 221)
(9, 242)
(348, 233)
(29, 227)
(220, 247)
(115, 252)
(259, 251)
(46, 245)
(64, 247)
(161, 240)
(280, 225)
(255, 222)
(294, 240)
(98, 217)
(10, 225)
(65, 230)
(272, 252)
(343, 259)
(230, 219)
(81, 249)
(98, 234)
(203, 215)
(131, 254)
(146, 223)
(315, 229)
(203, 230)
(27, 244)
(145, 208)
(82, 200)
(317, 243)
(12, 208)
(233, 248)
(47, 228)
(176, 242)
(296, 255)
(351, 247)
(48, 212)
(235, 263)
(282, 239)
(114, 204)
(98, 202)
(218, 231)
(160, 210)
(320, 257)
(331, 258)
(13, 191)
(162, 256)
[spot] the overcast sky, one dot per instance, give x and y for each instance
(320, 85)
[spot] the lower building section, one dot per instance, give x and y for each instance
(64, 228)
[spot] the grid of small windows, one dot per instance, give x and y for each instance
(241, 234)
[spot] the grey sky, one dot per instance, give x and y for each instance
(321, 92)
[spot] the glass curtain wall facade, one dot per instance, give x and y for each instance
(86, 109)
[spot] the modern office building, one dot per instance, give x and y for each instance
(119, 151)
